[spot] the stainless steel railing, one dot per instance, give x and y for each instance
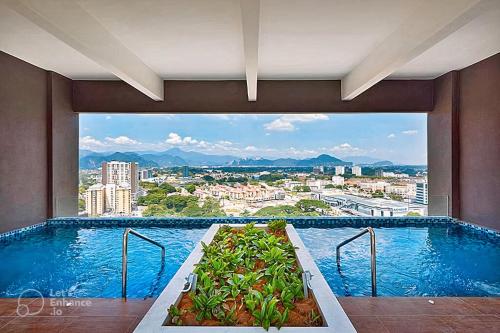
(372, 255)
(124, 255)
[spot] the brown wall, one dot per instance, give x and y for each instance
(23, 144)
(64, 152)
(273, 96)
(38, 145)
(442, 142)
(480, 142)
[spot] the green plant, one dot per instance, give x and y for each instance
(277, 225)
(206, 304)
(175, 314)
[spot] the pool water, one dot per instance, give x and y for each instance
(87, 262)
(423, 261)
(75, 261)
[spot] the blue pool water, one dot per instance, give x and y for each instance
(424, 261)
(86, 261)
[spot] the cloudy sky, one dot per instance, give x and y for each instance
(400, 138)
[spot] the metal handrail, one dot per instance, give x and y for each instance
(372, 254)
(124, 255)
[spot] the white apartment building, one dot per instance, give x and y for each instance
(95, 200)
(118, 199)
(373, 186)
(339, 170)
(116, 172)
(356, 170)
(422, 195)
(338, 180)
(317, 184)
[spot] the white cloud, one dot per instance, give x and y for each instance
(176, 140)
(391, 136)
(345, 149)
(251, 148)
(122, 140)
(286, 122)
(410, 132)
(91, 143)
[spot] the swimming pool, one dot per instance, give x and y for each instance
(85, 260)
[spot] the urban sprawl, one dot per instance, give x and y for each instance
(120, 188)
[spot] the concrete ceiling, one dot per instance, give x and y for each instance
(143, 41)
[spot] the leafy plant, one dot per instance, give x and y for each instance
(277, 225)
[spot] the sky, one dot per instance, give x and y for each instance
(400, 138)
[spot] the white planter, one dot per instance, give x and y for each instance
(334, 317)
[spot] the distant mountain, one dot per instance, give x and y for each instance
(93, 161)
(366, 160)
(382, 163)
(177, 157)
(325, 160)
(195, 158)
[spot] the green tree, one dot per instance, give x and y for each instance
(378, 194)
(148, 185)
(167, 188)
(190, 188)
(283, 210)
(208, 178)
(413, 214)
(157, 210)
(81, 205)
(302, 188)
(311, 205)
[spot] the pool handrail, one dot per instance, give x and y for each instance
(372, 255)
(124, 255)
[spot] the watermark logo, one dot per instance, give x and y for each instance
(57, 302)
(23, 308)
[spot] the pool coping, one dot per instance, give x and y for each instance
(306, 221)
(333, 314)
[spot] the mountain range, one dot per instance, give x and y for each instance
(178, 157)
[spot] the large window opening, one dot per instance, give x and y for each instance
(253, 165)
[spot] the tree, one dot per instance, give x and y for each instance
(283, 210)
(81, 205)
(311, 205)
(208, 178)
(167, 188)
(148, 185)
(156, 210)
(378, 194)
(328, 186)
(190, 188)
(302, 188)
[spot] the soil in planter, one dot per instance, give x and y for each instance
(248, 277)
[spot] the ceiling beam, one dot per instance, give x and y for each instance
(70, 23)
(250, 14)
(431, 22)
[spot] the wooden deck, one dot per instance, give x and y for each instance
(383, 314)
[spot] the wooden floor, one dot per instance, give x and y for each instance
(383, 314)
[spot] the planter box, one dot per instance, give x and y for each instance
(334, 317)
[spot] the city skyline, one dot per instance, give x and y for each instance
(400, 138)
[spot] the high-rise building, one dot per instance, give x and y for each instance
(338, 180)
(118, 199)
(422, 193)
(339, 170)
(319, 169)
(118, 173)
(95, 200)
(123, 203)
(185, 171)
(145, 174)
(356, 170)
